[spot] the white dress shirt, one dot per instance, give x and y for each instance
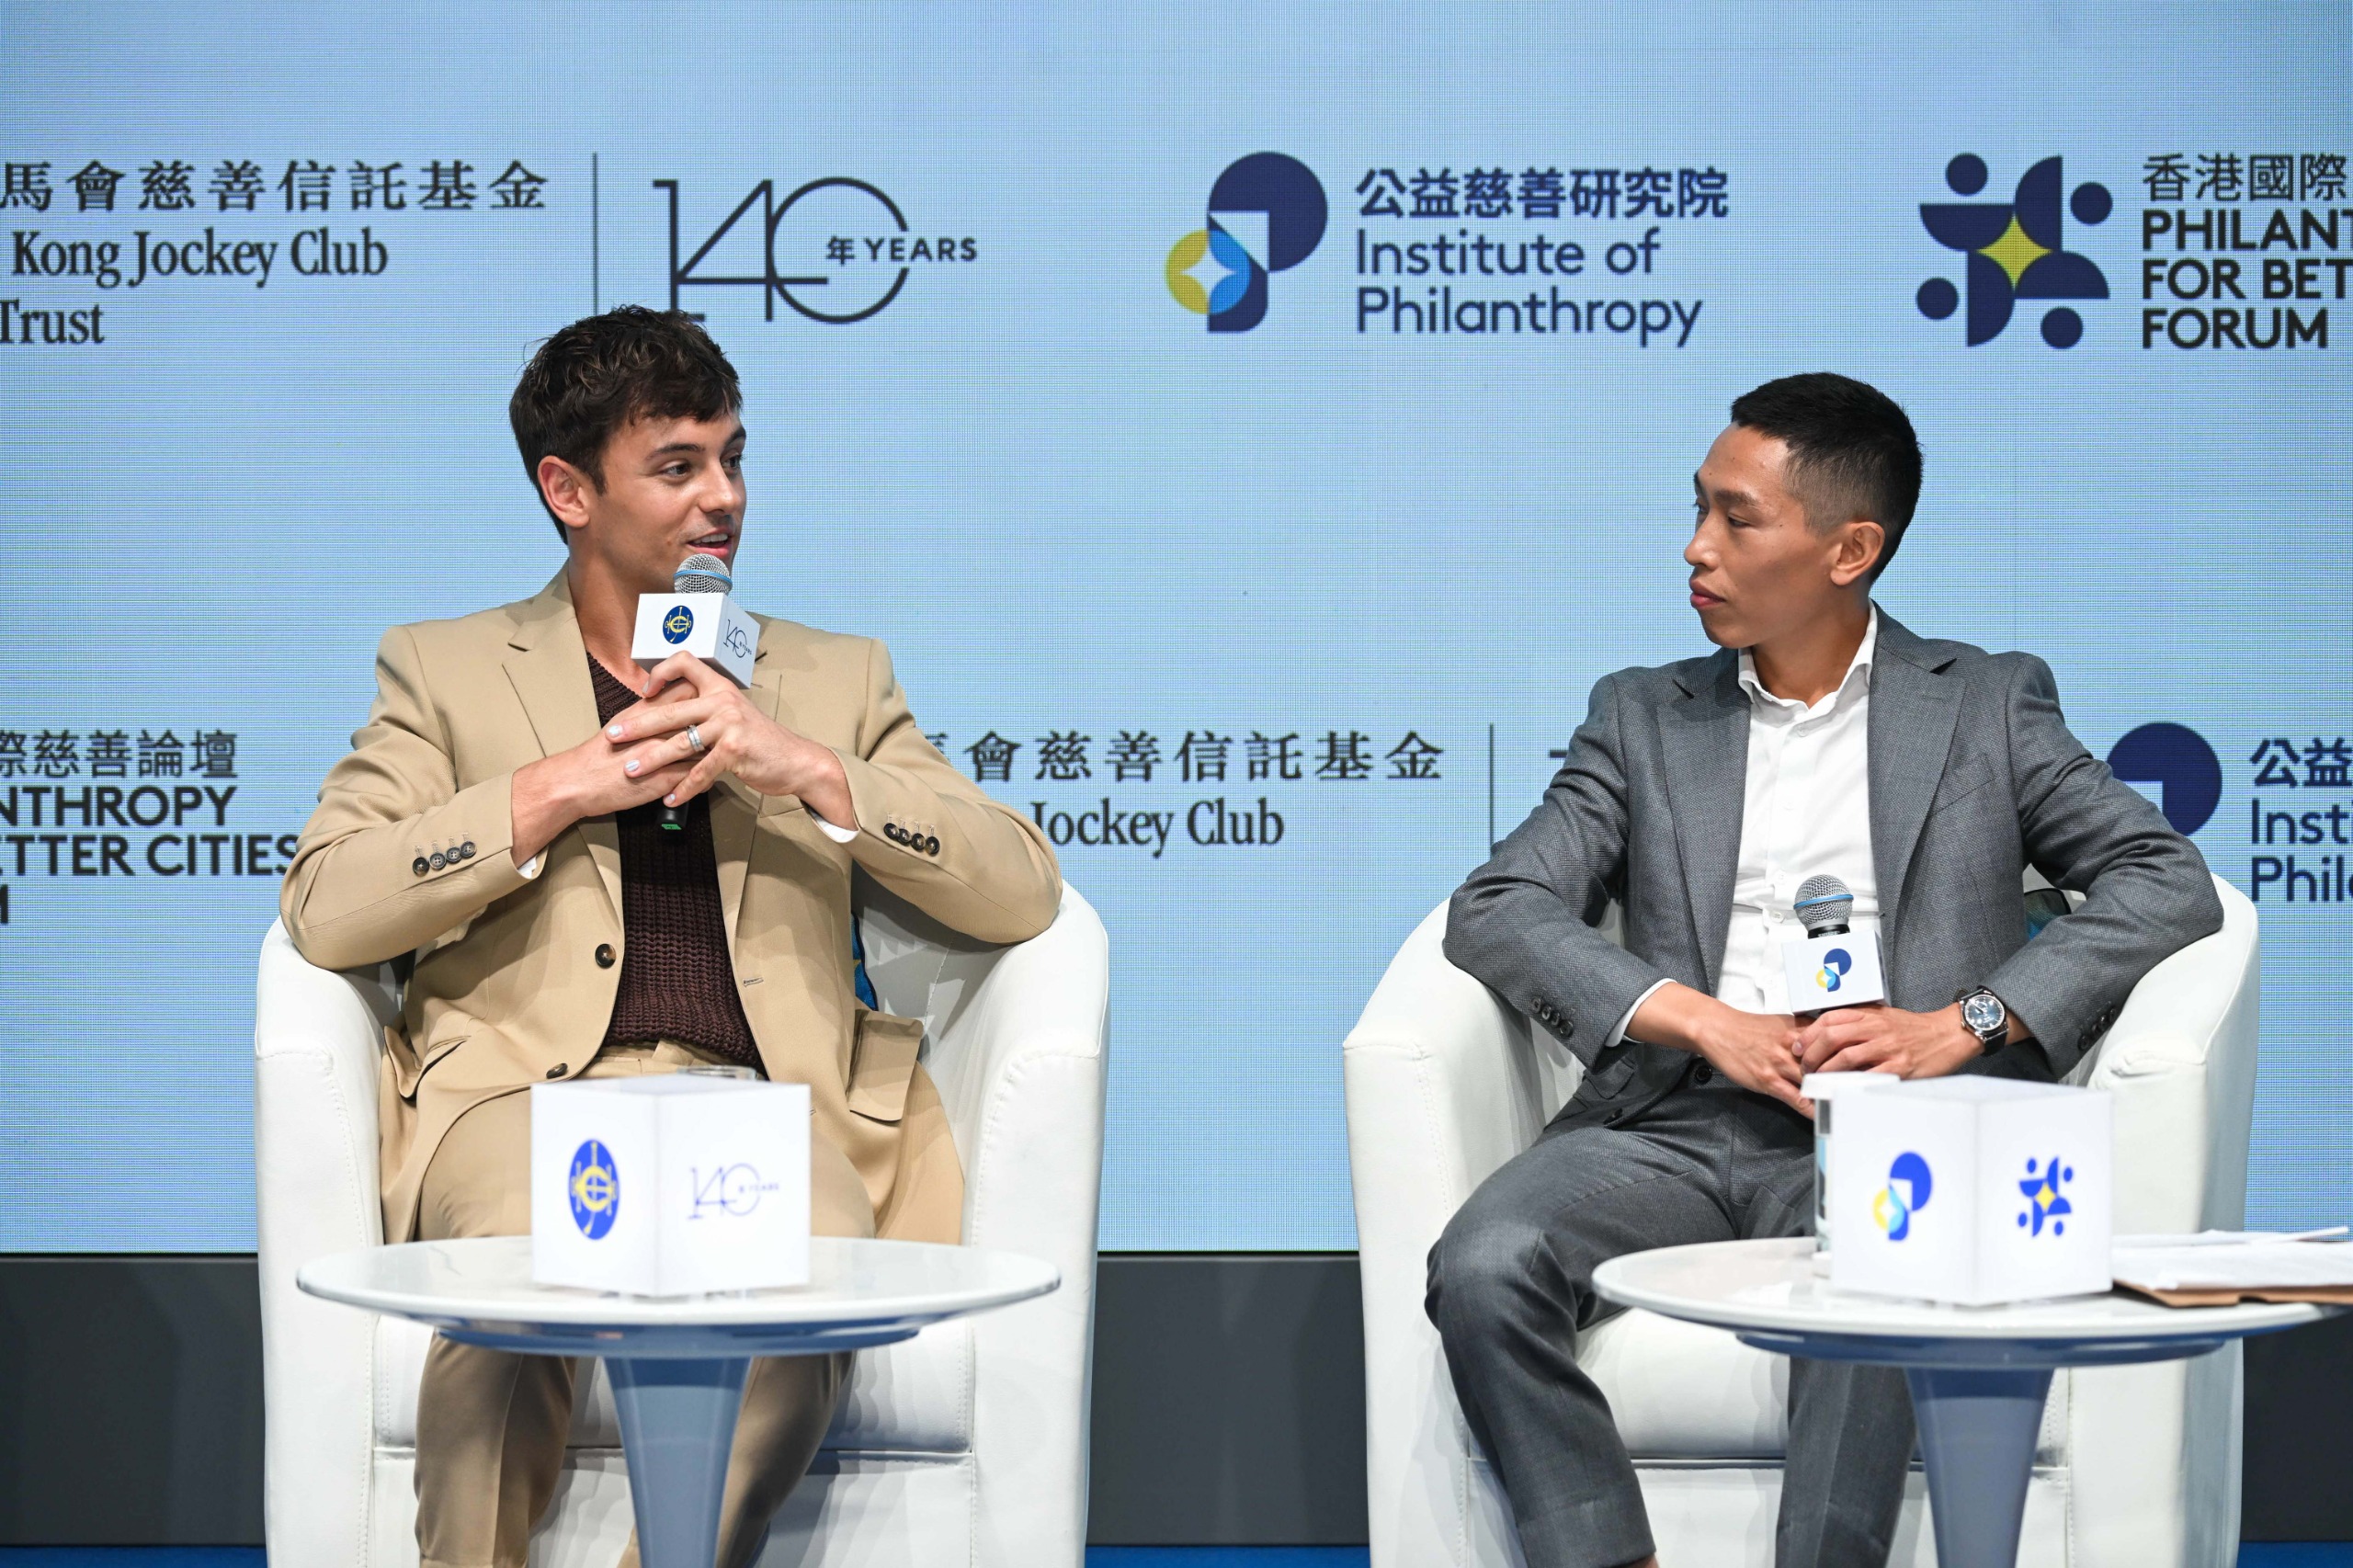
(1805, 812)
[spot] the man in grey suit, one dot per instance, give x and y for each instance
(1820, 738)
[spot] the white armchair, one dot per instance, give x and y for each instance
(966, 1445)
(2138, 1466)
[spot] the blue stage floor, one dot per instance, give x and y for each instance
(2264, 1554)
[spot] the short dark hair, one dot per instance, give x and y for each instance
(599, 374)
(1852, 450)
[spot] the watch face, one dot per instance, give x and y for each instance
(1982, 1012)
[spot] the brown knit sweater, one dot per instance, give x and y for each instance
(677, 978)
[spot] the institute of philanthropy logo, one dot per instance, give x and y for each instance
(595, 1189)
(1906, 1194)
(2045, 1205)
(1835, 965)
(678, 624)
(2015, 250)
(1266, 215)
(2177, 763)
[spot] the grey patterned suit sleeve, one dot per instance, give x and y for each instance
(2146, 887)
(1524, 922)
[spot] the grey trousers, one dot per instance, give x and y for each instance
(1511, 1288)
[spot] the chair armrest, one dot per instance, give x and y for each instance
(2180, 1061)
(316, 1037)
(1015, 1044)
(1444, 1084)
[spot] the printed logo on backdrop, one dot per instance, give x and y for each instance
(2015, 250)
(2238, 250)
(1909, 1184)
(169, 223)
(836, 251)
(1562, 250)
(1451, 253)
(2298, 806)
(1267, 214)
(2174, 761)
(113, 799)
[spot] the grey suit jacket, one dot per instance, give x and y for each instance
(1973, 776)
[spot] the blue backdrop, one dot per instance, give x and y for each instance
(1252, 428)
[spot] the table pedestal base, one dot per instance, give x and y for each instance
(1977, 1432)
(677, 1428)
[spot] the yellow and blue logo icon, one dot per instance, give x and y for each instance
(1835, 965)
(678, 624)
(1267, 214)
(2046, 1206)
(595, 1189)
(2015, 250)
(1909, 1184)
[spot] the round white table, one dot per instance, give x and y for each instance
(1979, 1375)
(678, 1365)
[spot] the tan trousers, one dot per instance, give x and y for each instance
(491, 1424)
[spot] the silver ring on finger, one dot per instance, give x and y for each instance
(694, 739)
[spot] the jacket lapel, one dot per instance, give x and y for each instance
(1704, 735)
(1914, 709)
(549, 674)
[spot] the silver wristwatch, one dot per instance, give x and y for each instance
(1983, 1013)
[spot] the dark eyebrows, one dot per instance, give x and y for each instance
(693, 448)
(1724, 495)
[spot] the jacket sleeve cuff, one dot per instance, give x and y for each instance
(1626, 1018)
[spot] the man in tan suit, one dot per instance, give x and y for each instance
(497, 818)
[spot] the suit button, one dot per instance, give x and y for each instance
(891, 832)
(440, 859)
(1611, 1119)
(556, 1070)
(466, 850)
(931, 845)
(1568, 1028)
(604, 955)
(1705, 1074)
(420, 864)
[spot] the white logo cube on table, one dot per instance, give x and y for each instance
(1973, 1190)
(670, 1184)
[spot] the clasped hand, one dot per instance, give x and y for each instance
(1770, 1053)
(646, 753)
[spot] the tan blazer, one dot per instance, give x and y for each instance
(515, 975)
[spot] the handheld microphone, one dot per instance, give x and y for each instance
(1832, 967)
(698, 616)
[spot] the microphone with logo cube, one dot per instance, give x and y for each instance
(1831, 965)
(698, 616)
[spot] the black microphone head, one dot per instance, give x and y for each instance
(703, 574)
(1823, 905)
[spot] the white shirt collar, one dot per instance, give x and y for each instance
(1858, 668)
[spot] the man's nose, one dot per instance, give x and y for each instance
(1697, 553)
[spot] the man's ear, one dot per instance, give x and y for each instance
(1855, 551)
(566, 490)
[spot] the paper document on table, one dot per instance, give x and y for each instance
(2214, 1269)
